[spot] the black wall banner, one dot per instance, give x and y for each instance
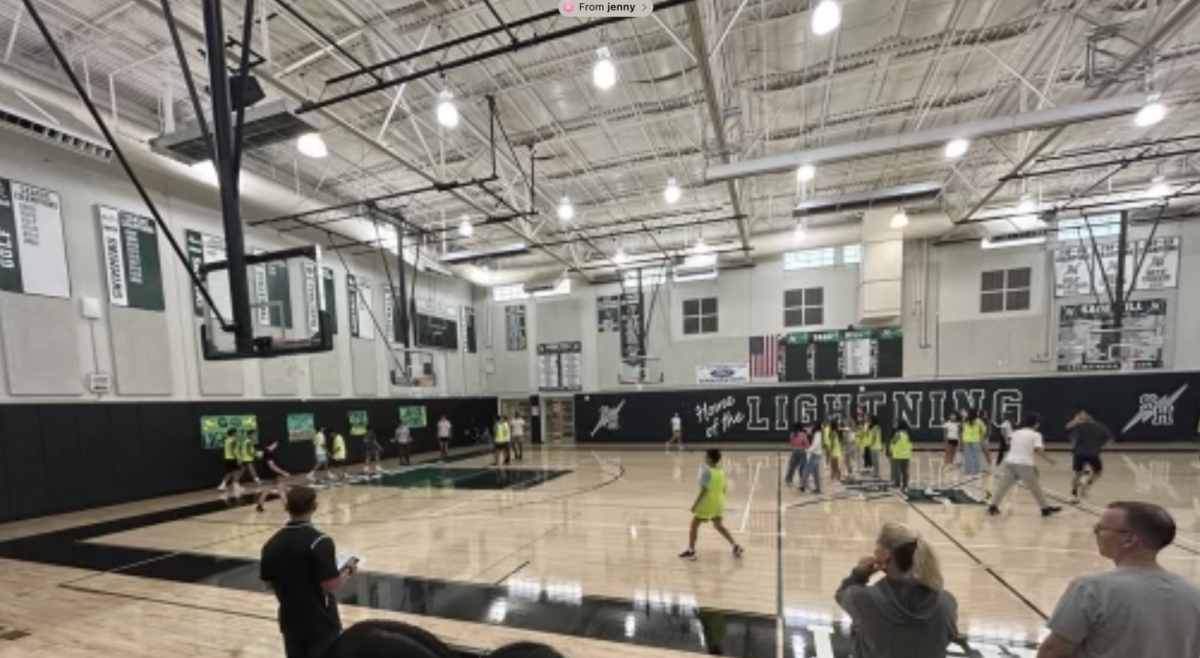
(469, 344)
(1137, 407)
(202, 249)
(859, 353)
(131, 259)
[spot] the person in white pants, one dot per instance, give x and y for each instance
(1025, 447)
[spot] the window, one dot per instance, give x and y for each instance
(700, 316)
(804, 307)
(1004, 290)
(509, 293)
(651, 276)
(810, 258)
(851, 254)
(1102, 226)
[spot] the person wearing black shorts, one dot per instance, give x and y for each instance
(1088, 440)
(274, 475)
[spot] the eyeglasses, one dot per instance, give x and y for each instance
(1098, 528)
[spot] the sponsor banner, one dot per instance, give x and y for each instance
(214, 428)
(33, 255)
(723, 373)
(131, 259)
(1086, 343)
(1136, 406)
(301, 427)
(413, 417)
(358, 422)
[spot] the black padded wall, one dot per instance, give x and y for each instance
(57, 458)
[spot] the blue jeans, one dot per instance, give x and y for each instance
(812, 468)
(972, 458)
(796, 465)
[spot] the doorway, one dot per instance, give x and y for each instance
(558, 417)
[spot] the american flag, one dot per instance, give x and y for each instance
(764, 357)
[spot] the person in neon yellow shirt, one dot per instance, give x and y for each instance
(901, 451)
(502, 438)
(871, 443)
(248, 454)
(974, 432)
(710, 505)
(233, 469)
(831, 441)
(338, 453)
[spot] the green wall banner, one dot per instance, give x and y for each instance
(358, 292)
(213, 429)
(131, 259)
(203, 249)
(272, 294)
(301, 427)
(33, 255)
(358, 422)
(413, 417)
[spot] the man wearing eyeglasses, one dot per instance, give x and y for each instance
(1137, 609)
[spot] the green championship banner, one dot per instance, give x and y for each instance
(301, 427)
(203, 249)
(33, 255)
(214, 428)
(358, 422)
(131, 259)
(330, 284)
(358, 290)
(413, 417)
(272, 294)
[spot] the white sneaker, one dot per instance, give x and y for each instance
(222, 487)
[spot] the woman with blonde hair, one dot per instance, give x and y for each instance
(907, 613)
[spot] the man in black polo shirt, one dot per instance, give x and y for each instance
(299, 564)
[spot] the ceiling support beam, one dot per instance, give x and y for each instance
(715, 117)
(1177, 19)
(1062, 115)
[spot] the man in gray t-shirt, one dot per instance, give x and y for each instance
(1139, 608)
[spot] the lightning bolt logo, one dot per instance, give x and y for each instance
(610, 417)
(1153, 406)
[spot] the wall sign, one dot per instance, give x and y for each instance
(1080, 270)
(301, 427)
(131, 259)
(33, 255)
(1137, 407)
(1082, 345)
(358, 294)
(312, 298)
(514, 328)
(723, 373)
(631, 324)
(468, 342)
(414, 417)
(214, 428)
(861, 353)
(272, 293)
(358, 422)
(560, 366)
(608, 313)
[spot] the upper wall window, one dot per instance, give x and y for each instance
(1075, 229)
(810, 258)
(804, 307)
(1005, 290)
(509, 293)
(700, 316)
(851, 254)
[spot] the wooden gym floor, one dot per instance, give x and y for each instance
(572, 547)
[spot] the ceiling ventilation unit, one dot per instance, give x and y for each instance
(543, 287)
(494, 251)
(902, 195)
(266, 124)
(50, 123)
(1019, 239)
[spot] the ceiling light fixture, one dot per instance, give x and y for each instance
(826, 17)
(1151, 113)
(205, 171)
(604, 73)
(447, 112)
(956, 148)
(1158, 187)
(465, 228)
(621, 257)
(311, 145)
(900, 219)
(1027, 206)
(806, 173)
(672, 192)
(566, 211)
(801, 232)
